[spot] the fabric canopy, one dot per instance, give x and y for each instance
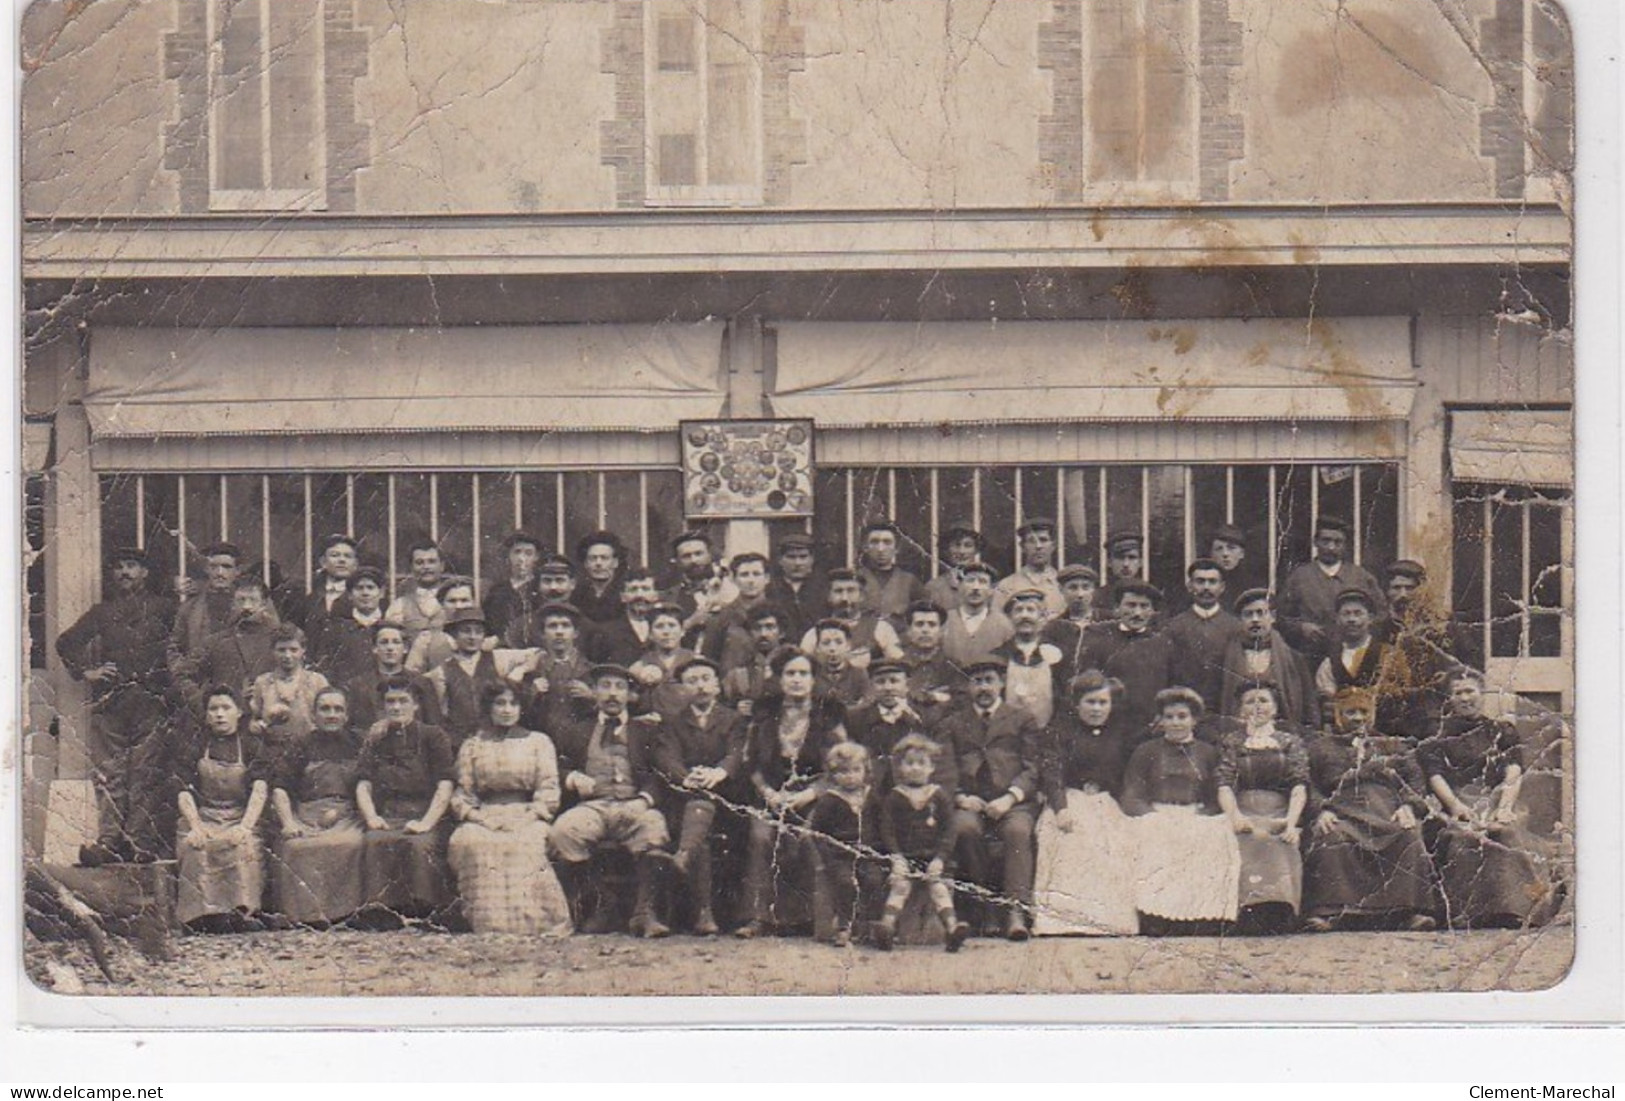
(1520, 447)
(165, 382)
(881, 374)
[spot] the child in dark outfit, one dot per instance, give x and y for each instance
(844, 821)
(917, 832)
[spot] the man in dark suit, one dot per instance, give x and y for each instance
(622, 640)
(1198, 635)
(796, 588)
(329, 588)
(996, 746)
(885, 720)
(1259, 655)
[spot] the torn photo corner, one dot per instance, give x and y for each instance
(751, 498)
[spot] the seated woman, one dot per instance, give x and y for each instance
(1187, 863)
(222, 864)
(1489, 864)
(1365, 864)
(316, 863)
(1263, 789)
(1085, 882)
(403, 793)
(790, 733)
(507, 794)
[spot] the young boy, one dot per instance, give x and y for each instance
(282, 701)
(743, 685)
(837, 675)
(844, 823)
(655, 672)
(917, 828)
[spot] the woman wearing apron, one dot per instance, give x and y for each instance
(316, 867)
(222, 864)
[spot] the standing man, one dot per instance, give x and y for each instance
(1363, 661)
(1078, 585)
(120, 648)
(747, 682)
(472, 667)
(602, 556)
(556, 579)
(1199, 635)
(1228, 547)
(1036, 672)
(1429, 643)
(702, 588)
(559, 683)
(1141, 656)
(975, 629)
(888, 589)
(237, 657)
(1037, 569)
(996, 747)
(727, 640)
(1309, 597)
(329, 587)
(1260, 655)
(959, 546)
(346, 642)
(205, 614)
(871, 635)
(416, 607)
(795, 587)
(933, 679)
(510, 605)
(621, 641)
(1125, 563)
(365, 689)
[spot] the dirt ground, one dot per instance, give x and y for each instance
(410, 962)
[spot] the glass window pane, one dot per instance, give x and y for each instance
(1123, 493)
(288, 531)
(581, 509)
(1337, 491)
(496, 521)
(1081, 540)
(295, 100)
(372, 520)
(1546, 635)
(1379, 520)
(161, 501)
(1208, 487)
(666, 514)
(1294, 523)
(829, 518)
(411, 521)
(954, 496)
(622, 515)
(539, 514)
(1545, 555)
(1252, 515)
(1467, 571)
(202, 494)
(118, 518)
(329, 512)
(999, 516)
(1165, 554)
(455, 501)
(239, 112)
(245, 516)
(1506, 580)
(916, 554)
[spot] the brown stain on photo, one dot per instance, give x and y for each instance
(1374, 56)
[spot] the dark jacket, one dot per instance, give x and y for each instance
(994, 755)
(133, 633)
(762, 754)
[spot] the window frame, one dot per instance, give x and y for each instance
(1142, 186)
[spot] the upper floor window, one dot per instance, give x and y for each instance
(1141, 107)
(703, 102)
(266, 106)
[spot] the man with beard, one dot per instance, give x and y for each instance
(796, 589)
(1036, 672)
(702, 589)
(1259, 655)
(744, 684)
(1198, 635)
(120, 648)
(622, 640)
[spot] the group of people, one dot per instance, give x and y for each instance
(771, 747)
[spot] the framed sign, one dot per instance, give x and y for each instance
(747, 469)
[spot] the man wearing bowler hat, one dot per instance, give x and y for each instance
(120, 648)
(1037, 569)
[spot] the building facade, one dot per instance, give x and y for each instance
(446, 268)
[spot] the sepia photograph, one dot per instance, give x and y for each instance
(679, 498)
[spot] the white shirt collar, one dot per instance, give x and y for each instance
(1329, 571)
(1206, 613)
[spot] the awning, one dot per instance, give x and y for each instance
(165, 382)
(1520, 447)
(888, 374)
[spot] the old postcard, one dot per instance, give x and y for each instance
(792, 497)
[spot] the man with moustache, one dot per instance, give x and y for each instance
(1260, 655)
(1199, 635)
(796, 588)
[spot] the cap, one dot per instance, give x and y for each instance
(1331, 523)
(886, 665)
(1356, 596)
(465, 615)
(986, 665)
(666, 607)
(222, 548)
(1020, 595)
(1140, 588)
(1407, 567)
(1228, 533)
(1078, 571)
(559, 607)
(697, 661)
(366, 573)
(960, 527)
(796, 541)
(841, 573)
(609, 669)
(1252, 596)
(690, 536)
(1037, 523)
(129, 554)
(555, 564)
(1124, 539)
(522, 536)
(979, 567)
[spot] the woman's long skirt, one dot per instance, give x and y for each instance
(1187, 864)
(1495, 874)
(1085, 881)
(225, 876)
(503, 875)
(1271, 869)
(317, 877)
(405, 872)
(1367, 864)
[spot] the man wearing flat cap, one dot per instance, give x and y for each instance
(207, 613)
(1037, 568)
(120, 648)
(461, 678)
(511, 602)
(958, 546)
(1227, 546)
(1429, 641)
(1078, 585)
(1136, 651)
(1259, 655)
(1125, 563)
(888, 589)
(976, 628)
(1309, 597)
(1361, 661)
(559, 684)
(796, 589)
(1036, 672)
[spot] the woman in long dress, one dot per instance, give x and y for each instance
(403, 794)
(222, 864)
(316, 862)
(1263, 790)
(1490, 867)
(507, 794)
(1187, 862)
(790, 733)
(1085, 874)
(1365, 864)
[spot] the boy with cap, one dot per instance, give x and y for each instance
(959, 546)
(1078, 585)
(606, 761)
(1125, 561)
(975, 629)
(120, 648)
(888, 589)
(1308, 602)
(1037, 569)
